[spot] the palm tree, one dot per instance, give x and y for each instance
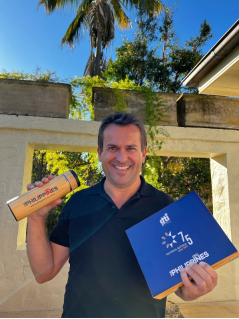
(101, 26)
(98, 16)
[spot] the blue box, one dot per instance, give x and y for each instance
(170, 239)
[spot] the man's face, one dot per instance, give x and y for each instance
(122, 156)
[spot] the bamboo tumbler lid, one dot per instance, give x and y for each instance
(72, 179)
(39, 197)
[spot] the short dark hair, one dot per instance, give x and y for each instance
(122, 119)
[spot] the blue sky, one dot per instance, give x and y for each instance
(30, 39)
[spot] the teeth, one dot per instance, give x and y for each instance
(122, 167)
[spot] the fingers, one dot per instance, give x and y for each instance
(56, 202)
(39, 183)
(204, 280)
(46, 179)
(201, 278)
(210, 271)
(203, 275)
(30, 186)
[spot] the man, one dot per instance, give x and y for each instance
(105, 279)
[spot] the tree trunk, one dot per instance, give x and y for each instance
(98, 55)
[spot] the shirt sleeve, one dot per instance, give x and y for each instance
(59, 235)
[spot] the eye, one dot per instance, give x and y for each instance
(131, 148)
(111, 148)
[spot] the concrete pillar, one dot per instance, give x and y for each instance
(224, 175)
(233, 194)
(220, 194)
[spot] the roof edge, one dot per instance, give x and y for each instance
(214, 56)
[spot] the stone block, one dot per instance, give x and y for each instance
(35, 98)
(105, 99)
(212, 111)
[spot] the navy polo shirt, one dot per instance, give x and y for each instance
(105, 279)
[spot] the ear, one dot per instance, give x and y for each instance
(144, 154)
(99, 153)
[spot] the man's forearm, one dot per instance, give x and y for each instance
(39, 249)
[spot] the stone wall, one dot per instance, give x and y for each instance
(208, 111)
(185, 110)
(105, 99)
(34, 98)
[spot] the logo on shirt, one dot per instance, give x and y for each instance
(164, 219)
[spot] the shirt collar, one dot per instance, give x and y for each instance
(144, 190)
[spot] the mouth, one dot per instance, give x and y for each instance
(122, 168)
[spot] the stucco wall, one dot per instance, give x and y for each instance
(20, 135)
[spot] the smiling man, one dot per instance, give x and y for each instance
(122, 154)
(105, 279)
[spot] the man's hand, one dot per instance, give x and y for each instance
(44, 210)
(204, 281)
(46, 258)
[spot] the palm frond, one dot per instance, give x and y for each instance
(74, 31)
(85, 5)
(51, 5)
(89, 68)
(128, 3)
(122, 19)
(101, 19)
(152, 7)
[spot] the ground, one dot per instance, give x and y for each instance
(229, 309)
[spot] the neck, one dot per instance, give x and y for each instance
(121, 195)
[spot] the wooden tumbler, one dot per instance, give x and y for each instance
(38, 197)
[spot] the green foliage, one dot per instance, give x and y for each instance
(196, 43)
(136, 60)
(85, 165)
(37, 75)
(39, 166)
(154, 57)
(177, 176)
(183, 175)
(154, 111)
(119, 88)
(86, 84)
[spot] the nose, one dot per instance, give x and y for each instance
(121, 156)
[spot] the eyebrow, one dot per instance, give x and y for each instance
(131, 145)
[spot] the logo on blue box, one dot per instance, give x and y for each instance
(169, 241)
(164, 219)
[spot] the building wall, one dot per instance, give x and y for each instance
(20, 135)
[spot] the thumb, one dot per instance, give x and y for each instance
(55, 203)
